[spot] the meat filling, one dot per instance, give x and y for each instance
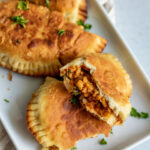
(85, 87)
(53, 147)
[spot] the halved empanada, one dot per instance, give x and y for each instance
(72, 10)
(56, 122)
(102, 85)
(39, 48)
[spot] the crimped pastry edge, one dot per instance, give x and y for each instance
(16, 64)
(39, 68)
(82, 11)
(128, 80)
(27, 68)
(32, 115)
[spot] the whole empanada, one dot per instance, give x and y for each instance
(102, 85)
(72, 10)
(56, 122)
(38, 48)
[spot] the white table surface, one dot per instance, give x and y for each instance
(133, 21)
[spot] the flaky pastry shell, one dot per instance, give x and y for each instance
(112, 81)
(38, 49)
(72, 10)
(55, 121)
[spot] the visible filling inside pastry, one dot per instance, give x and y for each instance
(53, 148)
(84, 86)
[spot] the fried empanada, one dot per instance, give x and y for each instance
(102, 85)
(56, 122)
(44, 43)
(72, 10)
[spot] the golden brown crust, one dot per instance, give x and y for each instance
(72, 10)
(83, 46)
(111, 76)
(53, 120)
(82, 11)
(40, 45)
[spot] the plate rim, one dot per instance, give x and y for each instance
(8, 133)
(138, 64)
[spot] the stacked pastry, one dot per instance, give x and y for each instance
(38, 41)
(42, 38)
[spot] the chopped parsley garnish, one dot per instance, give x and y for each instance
(103, 142)
(6, 100)
(74, 148)
(18, 41)
(23, 5)
(111, 131)
(74, 100)
(47, 3)
(135, 113)
(60, 32)
(86, 26)
(144, 115)
(81, 23)
(19, 20)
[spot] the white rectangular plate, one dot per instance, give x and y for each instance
(21, 88)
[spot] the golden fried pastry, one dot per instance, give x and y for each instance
(38, 42)
(102, 85)
(72, 10)
(56, 122)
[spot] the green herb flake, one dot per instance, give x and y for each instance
(6, 100)
(81, 23)
(61, 32)
(19, 20)
(23, 5)
(86, 26)
(144, 115)
(18, 41)
(74, 100)
(74, 148)
(103, 142)
(135, 113)
(111, 131)
(47, 3)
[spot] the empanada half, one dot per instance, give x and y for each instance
(72, 10)
(39, 49)
(56, 122)
(103, 85)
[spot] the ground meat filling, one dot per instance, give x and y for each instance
(87, 89)
(53, 147)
